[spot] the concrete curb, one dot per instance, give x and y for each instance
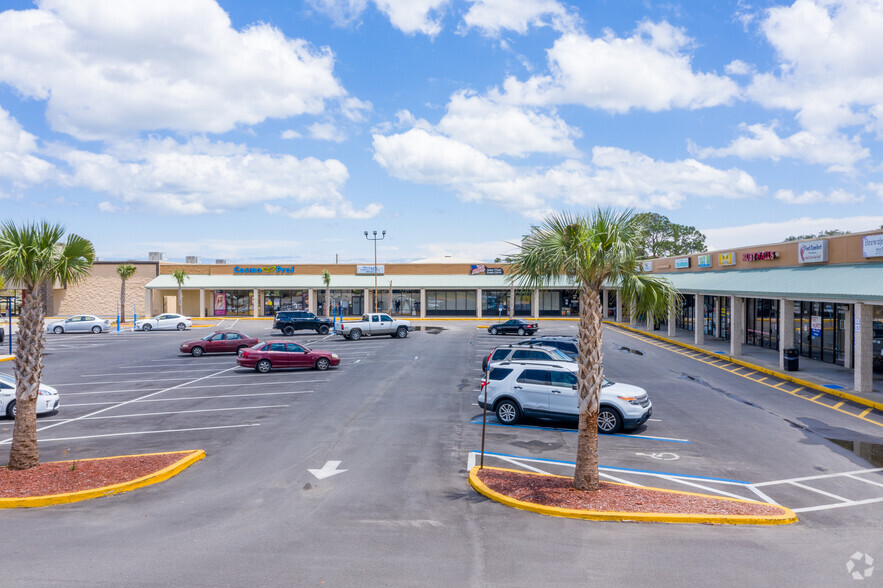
(782, 376)
(7, 357)
(189, 458)
(787, 517)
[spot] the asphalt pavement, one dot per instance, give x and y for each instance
(390, 434)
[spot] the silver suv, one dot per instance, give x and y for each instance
(548, 390)
(523, 353)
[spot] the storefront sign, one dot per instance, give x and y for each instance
(872, 246)
(369, 270)
(813, 251)
(220, 304)
(726, 258)
(704, 261)
(647, 266)
(269, 269)
(682, 262)
(760, 255)
(483, 269)
(815, 326)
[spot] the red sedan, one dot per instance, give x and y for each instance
(284, 354)
(218, 342)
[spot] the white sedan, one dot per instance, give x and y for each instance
(164, 322)
(82, 323)
(47, 398)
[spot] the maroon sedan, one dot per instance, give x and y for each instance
(218, 342)
(284, 354)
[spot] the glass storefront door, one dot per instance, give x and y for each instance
(819, 330)
(276, 300)
(346, 302)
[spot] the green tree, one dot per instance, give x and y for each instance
(34, 255)
(665, 238)
(125, 270)
(326, 279)
(819, 235)
(180, 276)
(596, 250)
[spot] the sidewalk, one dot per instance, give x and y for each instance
(829, 376)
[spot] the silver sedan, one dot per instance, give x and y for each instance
(82, 323)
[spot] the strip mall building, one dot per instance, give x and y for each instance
(822, 297)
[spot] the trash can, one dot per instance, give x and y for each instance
(792, 360)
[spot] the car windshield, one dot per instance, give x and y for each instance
(209, 336)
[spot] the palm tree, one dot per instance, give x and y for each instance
(125, 271)
(181, 275)
(596, 250)
(326, 279)
(32, 256)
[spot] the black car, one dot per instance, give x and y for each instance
(567, 345)
(514, 327)
(289, 321)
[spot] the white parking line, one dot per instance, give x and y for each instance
(127, 416)
(265, 376)
(165, 371)
(66, 394)
(195, 398)
(148, 432)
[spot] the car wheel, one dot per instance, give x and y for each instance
(356, 335)
(609, 421)
(521, 332)
(181, 326)
(492, 330)
(96, 329)
(288, 331)
(508, 412)
(146, 327)
(197, 351)
(263, 366)
(323, 330)
(10, 410)
(322, 364)
(402, 332)
(58, 330)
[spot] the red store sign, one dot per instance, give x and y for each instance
(760, 255)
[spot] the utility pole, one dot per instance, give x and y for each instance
(375, 238)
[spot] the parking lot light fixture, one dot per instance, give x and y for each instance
(375, 238)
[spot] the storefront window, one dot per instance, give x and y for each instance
(762, 322)
(232, 302)
(819, 329)
(10, 299)
(406, 302)
(346, 302)
(552, 303)
(686, 312)
(276, 300)
(450, 302)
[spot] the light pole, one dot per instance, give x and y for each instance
(375, 238)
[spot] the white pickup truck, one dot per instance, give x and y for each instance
(374, 323)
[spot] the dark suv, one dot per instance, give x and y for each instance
(567, 345)
(289, 321)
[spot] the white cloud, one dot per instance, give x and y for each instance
(876, 188)
(815, 197)
(494, 16)
(776, 232)
(201, 177)
(290, 134)
(107, 206)
(414, 16)
(341, 12)
(650, 70)
(478, 251)
(737, 67)
(355, 109)
(616, 176)
(326, 132)
(830, 69)
(110, 68)
(501, 129)
(17, 160)
(837, 152)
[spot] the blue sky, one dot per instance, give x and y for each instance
(265, 131)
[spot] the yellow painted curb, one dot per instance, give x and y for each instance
(189, 459)
(764, 370)
(787, 517)
(7, 358)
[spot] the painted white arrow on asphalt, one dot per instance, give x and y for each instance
(328, 470)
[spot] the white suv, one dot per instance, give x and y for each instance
(548, 390)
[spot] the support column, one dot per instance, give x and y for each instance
(478, 306)
(311, 300)
(202, 308)
(422, 302)
(786, 329)
(512, 302)
(699, 319)
(148, 303)
(737, 326)
(618, 317)
(672, 321)
(864, 348)
(717, 316)
(535, 304)
(605, 303)
(848, 336)
(257, 303)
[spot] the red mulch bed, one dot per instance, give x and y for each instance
(62, 476)
(555, 491)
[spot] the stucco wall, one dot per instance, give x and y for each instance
(100, 292)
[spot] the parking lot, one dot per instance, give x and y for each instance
(395, 428)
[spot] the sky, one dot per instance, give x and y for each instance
(281, 131)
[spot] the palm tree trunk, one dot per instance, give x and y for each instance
(28, 371)
(585, 476)
(327, 302)
(181, 300)
(123, 302)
